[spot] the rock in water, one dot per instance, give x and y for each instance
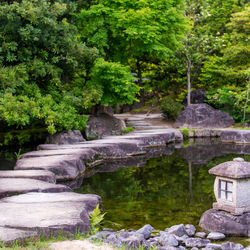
(203, 116)
(220, 221)
(103, 124)
(70, 137)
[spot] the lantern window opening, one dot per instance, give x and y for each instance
(226, 190)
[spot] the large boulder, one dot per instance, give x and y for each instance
(220, 221)
(103, 124)
(66, 137)
(203, 116)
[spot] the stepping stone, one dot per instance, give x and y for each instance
(42, 175)
(85, 153)
(13, 186)
(52, 213)
(63, 166)
(12, 235)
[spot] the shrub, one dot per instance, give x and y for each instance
(170, 108)
(127, 130)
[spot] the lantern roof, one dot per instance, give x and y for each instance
(236, 169)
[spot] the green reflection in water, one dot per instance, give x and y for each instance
(165, 192)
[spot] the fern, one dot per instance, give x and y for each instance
(96, 217)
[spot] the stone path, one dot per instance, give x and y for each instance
(32, 203)
(145, 121)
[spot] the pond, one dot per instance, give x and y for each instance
(171, 187)
(164, 191)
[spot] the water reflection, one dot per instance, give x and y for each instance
(171, 188)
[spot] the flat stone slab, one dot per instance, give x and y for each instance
(48, 213)
(235, 136)
(63, 166)
(10, 235)
(85, 153)
(13, 186)
(42, 175)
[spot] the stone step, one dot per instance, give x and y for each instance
(48, 213)
(13, 186)
(42, 175)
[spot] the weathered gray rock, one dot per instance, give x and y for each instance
(42, 175)
(12, 186)
(48, 213)
(212, 246)
(216, 236)
(63, 166)
(196, 96)
(236, 136)
(178, 230)
(230, 245)
(168, 239)
(190, 230)
(134, 241)
(196, 242)
(226, 223)
(181, 239)
(102, 235)
(201, 235)
(12, 235)
(66, 137)
(113, 240)
(203, 116)
(153, 242)
(145, 231)
(167, 248)
(103, 124)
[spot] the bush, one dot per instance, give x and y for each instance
(230, 99)
(170, 108)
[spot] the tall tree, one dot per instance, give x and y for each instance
(133, 32)
(231, 67)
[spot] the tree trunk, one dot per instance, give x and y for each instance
(190, 173)
(245, 107)
(188, 82)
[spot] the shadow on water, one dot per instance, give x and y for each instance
(173, 187)
(9, 157)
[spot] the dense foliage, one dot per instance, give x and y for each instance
(59, 58)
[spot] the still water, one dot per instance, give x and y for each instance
(171, 187)
(166, 190)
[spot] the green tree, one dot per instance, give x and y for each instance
(48, 76)
(133, 32)
(231, 67)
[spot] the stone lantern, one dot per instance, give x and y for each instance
(232, 186)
